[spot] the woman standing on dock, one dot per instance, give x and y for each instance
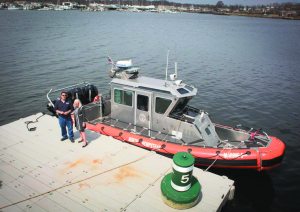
(79, 122)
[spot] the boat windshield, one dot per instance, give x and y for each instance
(178, 110)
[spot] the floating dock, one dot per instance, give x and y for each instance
(38, 172)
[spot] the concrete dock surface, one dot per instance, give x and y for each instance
(38, 172)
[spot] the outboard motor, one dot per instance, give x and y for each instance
(89, 93)
(86, 94)
(75, 93)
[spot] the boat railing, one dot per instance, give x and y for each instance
(92, 115)
(51, 91)
(135, 129)
(258, 133)
(266, 135)
(263, 135)
(193, 109)
(93, 108)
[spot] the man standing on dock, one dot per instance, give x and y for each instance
(63, 109)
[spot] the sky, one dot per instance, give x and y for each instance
(233, 2)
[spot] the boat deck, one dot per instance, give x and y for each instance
(38, 172)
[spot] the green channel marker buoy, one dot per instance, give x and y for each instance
(180, 189)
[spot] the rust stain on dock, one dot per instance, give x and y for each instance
(84, 185)
(96, 162)
(75, 163)
(125, 173)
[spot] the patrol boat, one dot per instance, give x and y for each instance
(154, 114)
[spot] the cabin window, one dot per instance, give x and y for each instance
(207, 131)
(180, 105)
(142, 102)
(182, 90)
(128, 98)
(123, 97)
(162, 105)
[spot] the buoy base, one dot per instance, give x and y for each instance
(180, 199)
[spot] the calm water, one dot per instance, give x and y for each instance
(246, 70)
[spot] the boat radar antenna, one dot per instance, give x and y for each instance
(174, 76)
(112, 73)
(167, 67)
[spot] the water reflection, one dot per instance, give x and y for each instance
(254, 190)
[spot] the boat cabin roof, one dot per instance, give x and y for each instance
(176, 88)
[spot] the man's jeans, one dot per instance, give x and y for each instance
(66, 122)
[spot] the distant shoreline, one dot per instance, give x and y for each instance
(271, 16)
(264, 16)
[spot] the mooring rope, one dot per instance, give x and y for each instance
(219, 156)
(31, 122)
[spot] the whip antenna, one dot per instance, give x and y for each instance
(167, 67)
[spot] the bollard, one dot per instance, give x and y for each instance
(180, 189)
